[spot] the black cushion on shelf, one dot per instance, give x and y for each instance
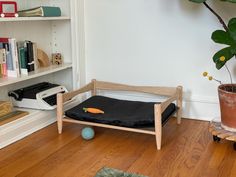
(125, 113)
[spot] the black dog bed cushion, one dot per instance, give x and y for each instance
(119, 112)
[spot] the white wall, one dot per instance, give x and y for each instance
(156, 42)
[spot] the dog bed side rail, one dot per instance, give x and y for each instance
(63, 97)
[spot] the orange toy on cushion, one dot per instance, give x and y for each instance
(93, 110)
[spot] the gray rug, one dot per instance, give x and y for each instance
(110, 172)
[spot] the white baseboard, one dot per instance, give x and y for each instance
(200, 110)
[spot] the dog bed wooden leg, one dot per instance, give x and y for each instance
(179, 103)
(158, 125)
(59, 112)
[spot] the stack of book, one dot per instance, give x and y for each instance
(17, 57)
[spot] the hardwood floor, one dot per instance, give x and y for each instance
(187, 151)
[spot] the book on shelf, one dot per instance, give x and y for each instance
(17, 57)
(41, 11)
(29, 56)
(4, 44)
(11, 58)
(2, 51)
(3, 65)
(15, 72)
(22, 57)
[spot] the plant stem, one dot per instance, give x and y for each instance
(217, 81)
(231, 80)
(217, 15)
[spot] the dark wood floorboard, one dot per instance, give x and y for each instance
(187, 151)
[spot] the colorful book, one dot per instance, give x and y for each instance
(17, 57)
(1, 68)
(29, 55)
(5, 44)
(42, 11)
(3, 65)
(15, 72)
(22, 57)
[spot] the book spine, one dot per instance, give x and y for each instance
(5, 66)
(13, 50)
(1, 48)
(1, 72)
(49, 11)
(3, 62)
(4, 43)
(9, 56)
(4, 39)
(22, 58)
(30, 56)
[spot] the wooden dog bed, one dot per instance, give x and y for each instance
(122, 114)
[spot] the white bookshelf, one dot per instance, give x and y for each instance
(34, 74)
(15, 19)
(63, 35)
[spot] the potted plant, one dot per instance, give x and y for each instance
(227, 92)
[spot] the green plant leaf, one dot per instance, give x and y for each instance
(227, 53)
(198, 1)
(219, 65)
(233, 49)
(232, 29)
(201, 1)
(222, 37)
(233, 1)
(232, 21)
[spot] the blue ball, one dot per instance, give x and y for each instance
(87, 133)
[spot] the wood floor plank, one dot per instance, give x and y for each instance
(71, 157)
(38, 153)
(18, 149)
(233, 170)
(114, 156)
(192, 150)
(172, 155)
(170, 132)
(187, 151)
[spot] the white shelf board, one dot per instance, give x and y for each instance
(39, 72)
(12, 19)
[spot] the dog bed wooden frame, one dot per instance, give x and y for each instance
(172, 94)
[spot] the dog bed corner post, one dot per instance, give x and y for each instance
(158, 125)
(59, 112)
(94, 89)
(179, 103)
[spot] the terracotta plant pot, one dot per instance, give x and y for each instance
(227, 97)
